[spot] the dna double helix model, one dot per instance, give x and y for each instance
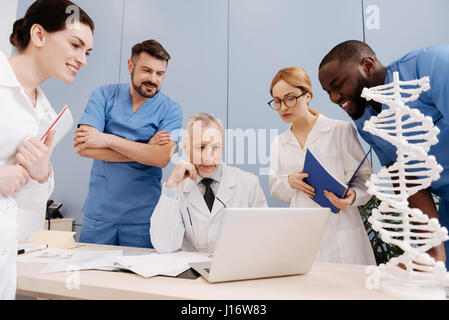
(411, 230)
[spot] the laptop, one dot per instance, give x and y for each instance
(265, 242)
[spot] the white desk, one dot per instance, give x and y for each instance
(325, 281)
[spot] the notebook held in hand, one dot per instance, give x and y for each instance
(322, 180)
(61, 125)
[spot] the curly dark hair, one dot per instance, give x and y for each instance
(348, 50)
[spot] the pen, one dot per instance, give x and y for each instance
(54, 122)
(33, 249)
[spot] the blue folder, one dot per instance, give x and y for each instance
(322, 180)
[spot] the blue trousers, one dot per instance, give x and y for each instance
(443, 217)
(128, 235)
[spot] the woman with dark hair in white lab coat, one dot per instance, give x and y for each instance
(335, 144)
(50, 43)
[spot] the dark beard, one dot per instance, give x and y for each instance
(360, 102)
(360, 109)
(140, 89)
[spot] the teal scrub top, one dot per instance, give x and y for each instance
(127, 193)
(432, 62)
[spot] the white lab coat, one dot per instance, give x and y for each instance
(335, 144)
(24, 213)
(171, 228)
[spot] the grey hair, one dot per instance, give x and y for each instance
(205, 119)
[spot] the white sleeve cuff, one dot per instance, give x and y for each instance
(172, 193)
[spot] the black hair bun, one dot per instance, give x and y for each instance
(51, 15)
(18, 39)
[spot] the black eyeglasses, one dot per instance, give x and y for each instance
(289, 102)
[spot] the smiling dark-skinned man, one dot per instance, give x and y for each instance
(352, 65)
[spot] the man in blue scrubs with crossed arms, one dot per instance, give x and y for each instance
(127, 129)
(352, 65)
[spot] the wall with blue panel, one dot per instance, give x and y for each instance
(394, 28)
(195, 35)
(8, 15)
(266, 36)
(224, 55)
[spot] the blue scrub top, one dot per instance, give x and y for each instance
(433, 62)
(127, 193)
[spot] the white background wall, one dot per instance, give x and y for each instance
(8, 13)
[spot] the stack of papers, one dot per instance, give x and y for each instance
(169, 264)
(145, 264)
(63, 260)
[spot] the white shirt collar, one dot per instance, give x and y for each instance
(7, 76)
(216, 176)
(8, 79)
(323, 124)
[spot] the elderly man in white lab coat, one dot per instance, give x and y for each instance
(190, 208)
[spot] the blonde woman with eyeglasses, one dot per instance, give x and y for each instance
(335, 144)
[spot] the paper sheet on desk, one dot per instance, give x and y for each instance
(62, 260)
(154, 264)
(86, 260)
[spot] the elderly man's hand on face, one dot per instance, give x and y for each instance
(182, 171)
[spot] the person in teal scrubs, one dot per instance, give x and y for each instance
(352, 65)
(131, 131)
